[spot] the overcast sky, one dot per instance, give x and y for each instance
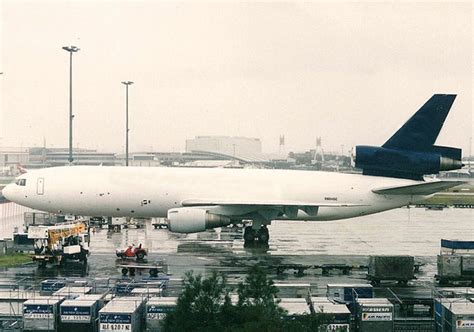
(351, 73)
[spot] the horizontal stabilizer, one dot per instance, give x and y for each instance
(200, 202)
(426, 188)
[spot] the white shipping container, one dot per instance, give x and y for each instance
(146, 292)
(467, 265)
(460, 316)
(449, 265)
(41, 313)
(338, 314)
(123, 314)
(157, 309)
(346, 293)
(72, 292)
(77, 311)
(295, 307)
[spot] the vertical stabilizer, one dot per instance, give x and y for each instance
(420, 132)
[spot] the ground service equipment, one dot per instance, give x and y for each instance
(58, 243)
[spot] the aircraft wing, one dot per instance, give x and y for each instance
(425, 188)
(267, 209)
(261, 203)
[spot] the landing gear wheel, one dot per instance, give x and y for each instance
(249, 234)
(124, 271)
(443, 282)
(140, 256)
(154, 273)
(83, 257)
(262, 235)
(375, 282)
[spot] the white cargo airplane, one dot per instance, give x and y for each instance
(195, 199)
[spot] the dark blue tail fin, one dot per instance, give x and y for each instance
(410, 153)
(420, 132)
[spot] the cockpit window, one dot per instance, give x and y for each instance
(21, 182)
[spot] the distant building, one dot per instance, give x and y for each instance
(243, 149)
(150, 159)
(51, 157)
(144, 159)
(10, 157)
(226, 145)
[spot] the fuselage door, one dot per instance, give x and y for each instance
(40, 186)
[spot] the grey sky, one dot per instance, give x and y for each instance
(351, 73)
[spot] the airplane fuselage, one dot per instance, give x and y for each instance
(152, 191)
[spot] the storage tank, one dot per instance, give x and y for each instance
(122, 314)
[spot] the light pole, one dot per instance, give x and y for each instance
(127, 83)
(71, 50)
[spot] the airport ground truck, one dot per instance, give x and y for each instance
(59, 243)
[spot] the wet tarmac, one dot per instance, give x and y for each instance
(413, 231)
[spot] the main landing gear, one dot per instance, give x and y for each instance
(252, 235)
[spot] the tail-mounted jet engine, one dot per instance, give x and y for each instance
(405, 164)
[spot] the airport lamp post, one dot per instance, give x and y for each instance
(127, 83)
(71, 50)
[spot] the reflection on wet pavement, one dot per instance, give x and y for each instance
(398, 232)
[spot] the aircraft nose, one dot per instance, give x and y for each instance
(7, 192)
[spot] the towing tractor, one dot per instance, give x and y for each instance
(132, 252)
(60, 243)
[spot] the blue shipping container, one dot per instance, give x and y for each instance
(456, 244)
(52, 285)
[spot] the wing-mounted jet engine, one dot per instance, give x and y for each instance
(410, 153)
(192, 220)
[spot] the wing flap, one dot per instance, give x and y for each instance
(426, 188)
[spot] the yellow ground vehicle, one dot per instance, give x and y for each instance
(58, 243)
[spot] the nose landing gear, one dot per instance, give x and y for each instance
(259, 235)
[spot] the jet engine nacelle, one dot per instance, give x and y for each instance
(193, 220)
(404, 163)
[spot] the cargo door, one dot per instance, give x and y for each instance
(40, 186)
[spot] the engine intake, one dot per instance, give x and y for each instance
(193, 220)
